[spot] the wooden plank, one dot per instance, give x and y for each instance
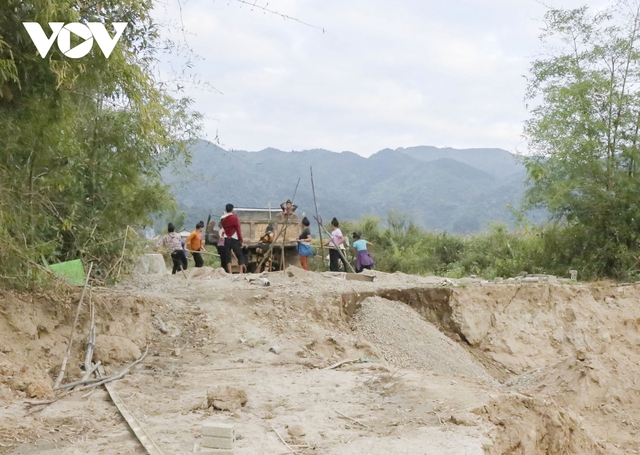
(140, 433)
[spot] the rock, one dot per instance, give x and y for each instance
(361, 343)
(115, 349)
(150, 264)
(275, 349)
(296, 431)
(531, 279)
(296, 272)
(5, 393)
(31, 381)
(39, 389)
(176, 352)
(226, 398)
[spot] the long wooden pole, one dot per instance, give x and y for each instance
(284, 236)
(315, 203)
(63, 368)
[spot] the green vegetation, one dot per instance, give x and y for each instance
(585, 134)
(83, 140)
(401, 246)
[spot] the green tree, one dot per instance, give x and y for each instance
(584, 132)
(83, 141)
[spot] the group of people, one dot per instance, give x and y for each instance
(230, 242)
(337, 250)
(178, 249)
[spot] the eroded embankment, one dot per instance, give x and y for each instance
(570, 354)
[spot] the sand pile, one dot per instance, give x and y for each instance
(406, 339)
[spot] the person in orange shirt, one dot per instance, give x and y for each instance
(194, 244)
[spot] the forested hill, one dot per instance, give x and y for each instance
(441, 189)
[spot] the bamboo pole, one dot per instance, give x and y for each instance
(63, 368)
(313, 187)
(91, 344)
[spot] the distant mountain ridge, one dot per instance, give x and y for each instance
(441, 189)
(494, 161)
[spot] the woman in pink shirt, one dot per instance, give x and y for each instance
(334, 243)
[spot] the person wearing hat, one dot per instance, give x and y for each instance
(363, 258)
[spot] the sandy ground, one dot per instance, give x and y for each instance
(473, 369)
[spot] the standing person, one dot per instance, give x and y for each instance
(194, 244)
(304, 247)
(334, 243)
(173, 243)
(233, 237)
(220, 247)
(363, 258)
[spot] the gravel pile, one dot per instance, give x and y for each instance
(409, 341)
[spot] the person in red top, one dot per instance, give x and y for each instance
(233, 237)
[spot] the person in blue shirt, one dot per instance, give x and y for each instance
(363, 258)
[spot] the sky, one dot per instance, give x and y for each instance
(363, 75)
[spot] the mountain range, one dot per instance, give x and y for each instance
(442, 189)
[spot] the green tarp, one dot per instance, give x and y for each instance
(72, 271)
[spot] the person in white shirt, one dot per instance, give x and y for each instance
(334, 244)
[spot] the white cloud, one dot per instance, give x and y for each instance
(383, 75)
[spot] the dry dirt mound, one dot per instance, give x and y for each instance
(530, 426)
(576, 346)
(34, 330)
(407, 340)
(206, 273)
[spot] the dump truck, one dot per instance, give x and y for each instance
(254, 222)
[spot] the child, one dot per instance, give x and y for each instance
(194, 243)
(363, 258)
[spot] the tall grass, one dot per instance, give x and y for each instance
(401, 246)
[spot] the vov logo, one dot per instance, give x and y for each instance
(63, 32)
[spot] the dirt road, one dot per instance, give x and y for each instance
(474, 369)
